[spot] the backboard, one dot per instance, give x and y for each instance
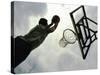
(85, 35)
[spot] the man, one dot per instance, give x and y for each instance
(23, 45)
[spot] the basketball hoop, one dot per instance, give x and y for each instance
(69, 37)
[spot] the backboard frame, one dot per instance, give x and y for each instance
(77, 26)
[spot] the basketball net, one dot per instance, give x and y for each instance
(69, 37)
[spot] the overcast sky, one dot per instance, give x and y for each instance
(49, 56)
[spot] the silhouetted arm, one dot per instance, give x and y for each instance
(50, 25)
(55, 20)
(53, 28)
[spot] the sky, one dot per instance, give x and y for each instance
(49, 56)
